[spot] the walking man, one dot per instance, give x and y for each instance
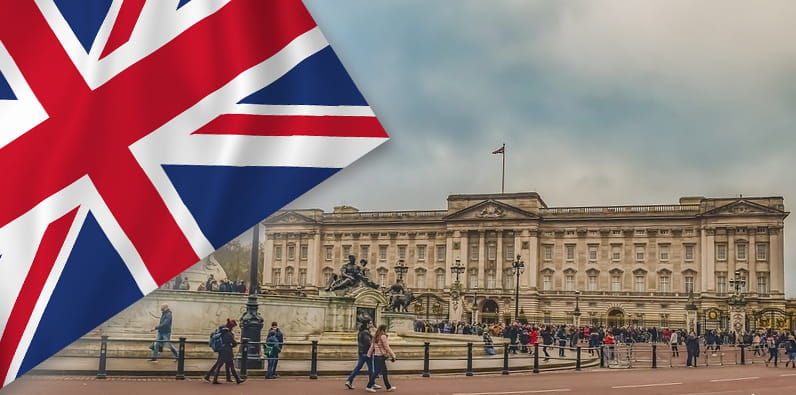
(692, 348)
(275, 340)
(364, 338)
(164, 334)
(674, 339)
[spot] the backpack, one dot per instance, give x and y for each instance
(215, 341)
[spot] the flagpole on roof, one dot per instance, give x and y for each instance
(503, 176)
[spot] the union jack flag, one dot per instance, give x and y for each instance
(137, 137)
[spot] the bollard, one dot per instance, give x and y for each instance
(602, 356)
(536, 357)
(469, 372)
(654, 356)
(505, 359)
(102, 371)
(577, 358)
(244, 358)
(426, 356)
(743, 355)
(314, 362)
(181, 361)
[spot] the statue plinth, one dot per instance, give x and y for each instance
(398, 322)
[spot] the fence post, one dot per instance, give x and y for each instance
(505, 358)
(577, 358)
(102, 371)
(244, 358)
(536, 357)
(743, 354)
(469, 360)
(181, 360)
(426, 357)
(654, 356)
(602, 356)
(314, 361)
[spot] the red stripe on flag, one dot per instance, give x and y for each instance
(43, 262)
(294, 125)
(123, 28)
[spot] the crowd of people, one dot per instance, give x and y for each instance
(223, 285)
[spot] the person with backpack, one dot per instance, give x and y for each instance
(380, 350)
(790, 350)
(225, 353)
(273, 346)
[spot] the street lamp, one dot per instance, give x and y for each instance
(576, 313)
(458, 268)
(401, 268)
(251, 321)
(518, 267)
(475, 303)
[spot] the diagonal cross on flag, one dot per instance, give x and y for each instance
(139, 136)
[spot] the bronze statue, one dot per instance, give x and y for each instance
(400, 298)
(351, 275)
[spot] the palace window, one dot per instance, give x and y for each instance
(664, 252)
(616, 282)
(346, 251)
(474, 252)
(440, 253)
(364, 251)
(592, 253)
(276, 276)
(547, 282)
(289, 276)
(664, 283)
(382, 252)
(689, 252)
(616, 253)
(491, 282)
(721, 283)
(640, 253)
(547, 252)
(569, 282)
(303, 252)
(762, 284)
(327, 275)
(570, 252)
(327, 252)
(591, 284)
(689, 283)
(508, 252)
(473, 282)
(740, 251)
(420, 279)
(762, 251)
(278, 253)
(421, 253)
(302, 277)
(508, 279)
(491, 251)
(721, 252)
(639, 282)
(402, 252)
(291, 251)
(382, 277)
(440, 280)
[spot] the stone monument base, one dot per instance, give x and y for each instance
(398, 322)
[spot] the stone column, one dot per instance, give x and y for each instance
(776, 261)
(499, 261)
(450, 259)
(738, 319)
(531, 259)
(481, 259)
(707, 266)
(268, 258)
(315, 249)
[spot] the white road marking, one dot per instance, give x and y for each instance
(515, 392)
(713, 393)
(644, 385)
(787, 374)
(734, 379)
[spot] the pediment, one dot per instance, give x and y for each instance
(743, 207)
(491, 210)
(289, 218)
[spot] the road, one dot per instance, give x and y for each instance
(757, 380)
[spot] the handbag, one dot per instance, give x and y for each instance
(159, 345)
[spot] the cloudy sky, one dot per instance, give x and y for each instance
(598, 102)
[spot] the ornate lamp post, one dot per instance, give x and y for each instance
(576, 312)
(737, 304)
(401, 268)
(475, 303)
(454, 312)
(458, 268)
(251, 322)
(518, 267)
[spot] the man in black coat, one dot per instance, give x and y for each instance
(226, 356)
(692, 347)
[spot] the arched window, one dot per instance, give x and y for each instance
(664, 281)
(639, 280)
(420, 278)
(592, 280)
(569, 280)
(616, 279)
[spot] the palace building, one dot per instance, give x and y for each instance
(615, 265)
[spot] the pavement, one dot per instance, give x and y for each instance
(733, 380)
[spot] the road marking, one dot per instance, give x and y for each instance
(734, 379)
(644, 385)
(787, 374)
(713, 393)
(515, 392)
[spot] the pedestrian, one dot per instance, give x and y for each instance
(225, 355)
(164, 334)
(773, 352)
(547, 341)
(364, 338)
(692, 348)
(380, 350)
(278, 340)
(790, 350)
(272, 349)
(673, 340)
(561, 335)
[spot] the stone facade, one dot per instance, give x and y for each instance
(618, 264)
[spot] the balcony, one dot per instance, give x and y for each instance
(645, 210)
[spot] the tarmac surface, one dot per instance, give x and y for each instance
(748, 379)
